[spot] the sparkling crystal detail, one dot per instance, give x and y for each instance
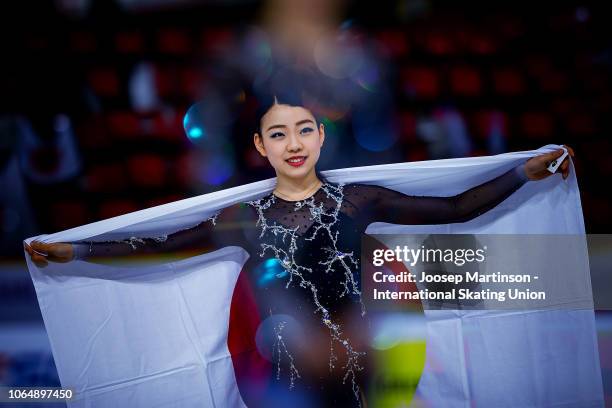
(278, 349)
(213, 218)
(285, 254)
(133, 241)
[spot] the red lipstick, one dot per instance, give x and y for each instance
(296, 161)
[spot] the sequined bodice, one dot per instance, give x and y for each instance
(315, 240)
(315, 243)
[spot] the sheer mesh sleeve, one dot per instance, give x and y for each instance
(223, 229)
(381, 204)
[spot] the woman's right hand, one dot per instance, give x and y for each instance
(42, 253)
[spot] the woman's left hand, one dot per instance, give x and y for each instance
(536, 168)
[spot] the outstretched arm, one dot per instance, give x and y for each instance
(385, 205)
(199, 235)
(211, 234)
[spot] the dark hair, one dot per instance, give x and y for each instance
(286, 88)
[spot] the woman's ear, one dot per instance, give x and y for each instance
(258, 141)
(321, 134)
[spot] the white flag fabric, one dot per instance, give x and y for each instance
(156, 335)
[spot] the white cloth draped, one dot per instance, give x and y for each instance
(156, 335)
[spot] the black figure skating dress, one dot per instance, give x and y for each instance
(304, 273)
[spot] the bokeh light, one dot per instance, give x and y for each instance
(268, 271)
(192, 122)
(266, 337)
(367, 76)
(207, 124)
(374, 137)
(61, 123)
(391, 329)
(217, 169)
(257, 49)
(338, 57)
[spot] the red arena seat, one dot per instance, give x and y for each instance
(484, 123)
(554, 82)
(508, 82)
(439, 44)
(124, 124)
(147, 170)
(129, 42)
(537, 125)
(421, 82)
(68, 214)
(104, 81)
(392, 43)
(106, 177)
(580, 124)
(174, 41)
(112, 208)
(465, 81)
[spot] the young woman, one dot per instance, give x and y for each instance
(310, 229)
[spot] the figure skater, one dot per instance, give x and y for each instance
(311, 229)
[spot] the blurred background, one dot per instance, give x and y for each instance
(108, 107)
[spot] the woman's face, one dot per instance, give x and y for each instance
(290, 140)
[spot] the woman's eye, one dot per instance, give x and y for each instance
(306, 130)
(276, 134)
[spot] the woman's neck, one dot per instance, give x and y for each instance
(297, 189)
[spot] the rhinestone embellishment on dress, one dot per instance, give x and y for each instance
(324, 222)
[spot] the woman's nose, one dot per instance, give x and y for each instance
(294, 143)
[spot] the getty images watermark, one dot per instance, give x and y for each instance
(476, 272)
